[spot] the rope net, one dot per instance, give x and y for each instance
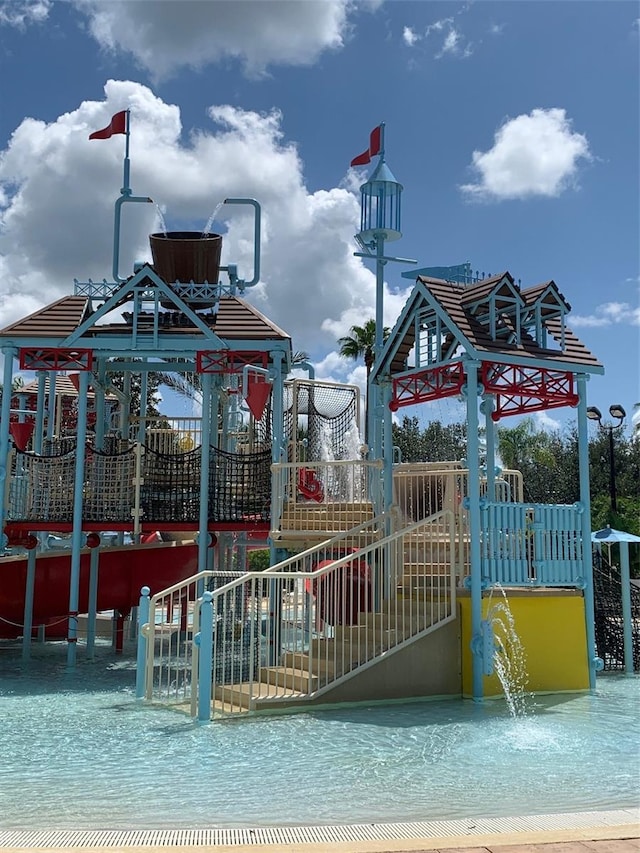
(171, 486)
(109, 485)
(240, 486)
(326, 415)
(42, 487)
(609, 626)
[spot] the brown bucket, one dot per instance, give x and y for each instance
(186, 256)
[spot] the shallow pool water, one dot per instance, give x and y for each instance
(78, 751)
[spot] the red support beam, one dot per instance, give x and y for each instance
(434, 384)
(229, 361)
(521, 390)
(32, 358)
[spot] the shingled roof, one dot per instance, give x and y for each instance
(455, 301)
(236, 319)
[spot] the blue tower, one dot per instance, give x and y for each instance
(380, 221)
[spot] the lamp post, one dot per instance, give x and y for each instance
(616, 411)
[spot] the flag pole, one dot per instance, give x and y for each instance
(126, 188)
(381, 140)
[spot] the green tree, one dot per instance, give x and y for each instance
(360, 344)
(435, 443)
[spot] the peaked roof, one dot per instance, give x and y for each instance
(236, 319)
(453, 302)
(59, 318)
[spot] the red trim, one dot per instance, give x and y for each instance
(229, 361)
(521, 390)
(42, 358)
(434, 384)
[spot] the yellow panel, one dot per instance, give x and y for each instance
(552, 630)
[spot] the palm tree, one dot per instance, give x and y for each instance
(359, 344)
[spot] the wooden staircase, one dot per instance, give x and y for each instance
(328, 658)
(308, 520)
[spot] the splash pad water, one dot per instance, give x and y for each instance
(79, 752)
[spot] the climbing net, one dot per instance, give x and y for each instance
(609, 626)
(109, 485)
(324, 414)
(171, 486)
(240, 486)
(42, 487)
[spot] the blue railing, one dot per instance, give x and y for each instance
(532, 544)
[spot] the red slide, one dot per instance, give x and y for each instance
(124, 569)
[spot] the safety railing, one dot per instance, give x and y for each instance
(170, 623)
(315, 498)
(532, 544)
(167, 434)
(425, 488)
(289, 635)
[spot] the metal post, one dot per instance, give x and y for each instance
(76, 536)
(627, 628)
(92, 606)
(205, 460)
(473, 450)
(487, 407)
(585, 501)
(612, 472)
(27, 628)
(5, 417)
(141, 657)
(205, 662)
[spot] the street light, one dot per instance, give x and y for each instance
(616, 411)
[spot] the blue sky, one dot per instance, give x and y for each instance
(513, 126)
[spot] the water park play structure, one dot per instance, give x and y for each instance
(382, 574)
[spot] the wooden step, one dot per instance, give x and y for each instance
(288, 677)
(243, 695)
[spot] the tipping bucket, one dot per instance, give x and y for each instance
(186, 256)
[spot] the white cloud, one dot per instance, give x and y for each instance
(22, 13)
(166, 36)
(608, 314)
(438, 26)
(545, 422)
(533, 155)
(311, 284)
(454, 45)
(409, 36)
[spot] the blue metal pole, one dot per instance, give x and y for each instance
(92, 605)
(5, 416)
(373, 391)
(275, 553)
(31, 556)
(473, 452)
(30, 583)
(205, 461)
(585, 500)
(627, 624)
(142, 423)
(39, 430)
(205, 659)
(94, 560)
(141, 656)
(76, 536)
(51, 406)
(487, 408)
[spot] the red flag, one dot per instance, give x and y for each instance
(118, 124)
(375, 145)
